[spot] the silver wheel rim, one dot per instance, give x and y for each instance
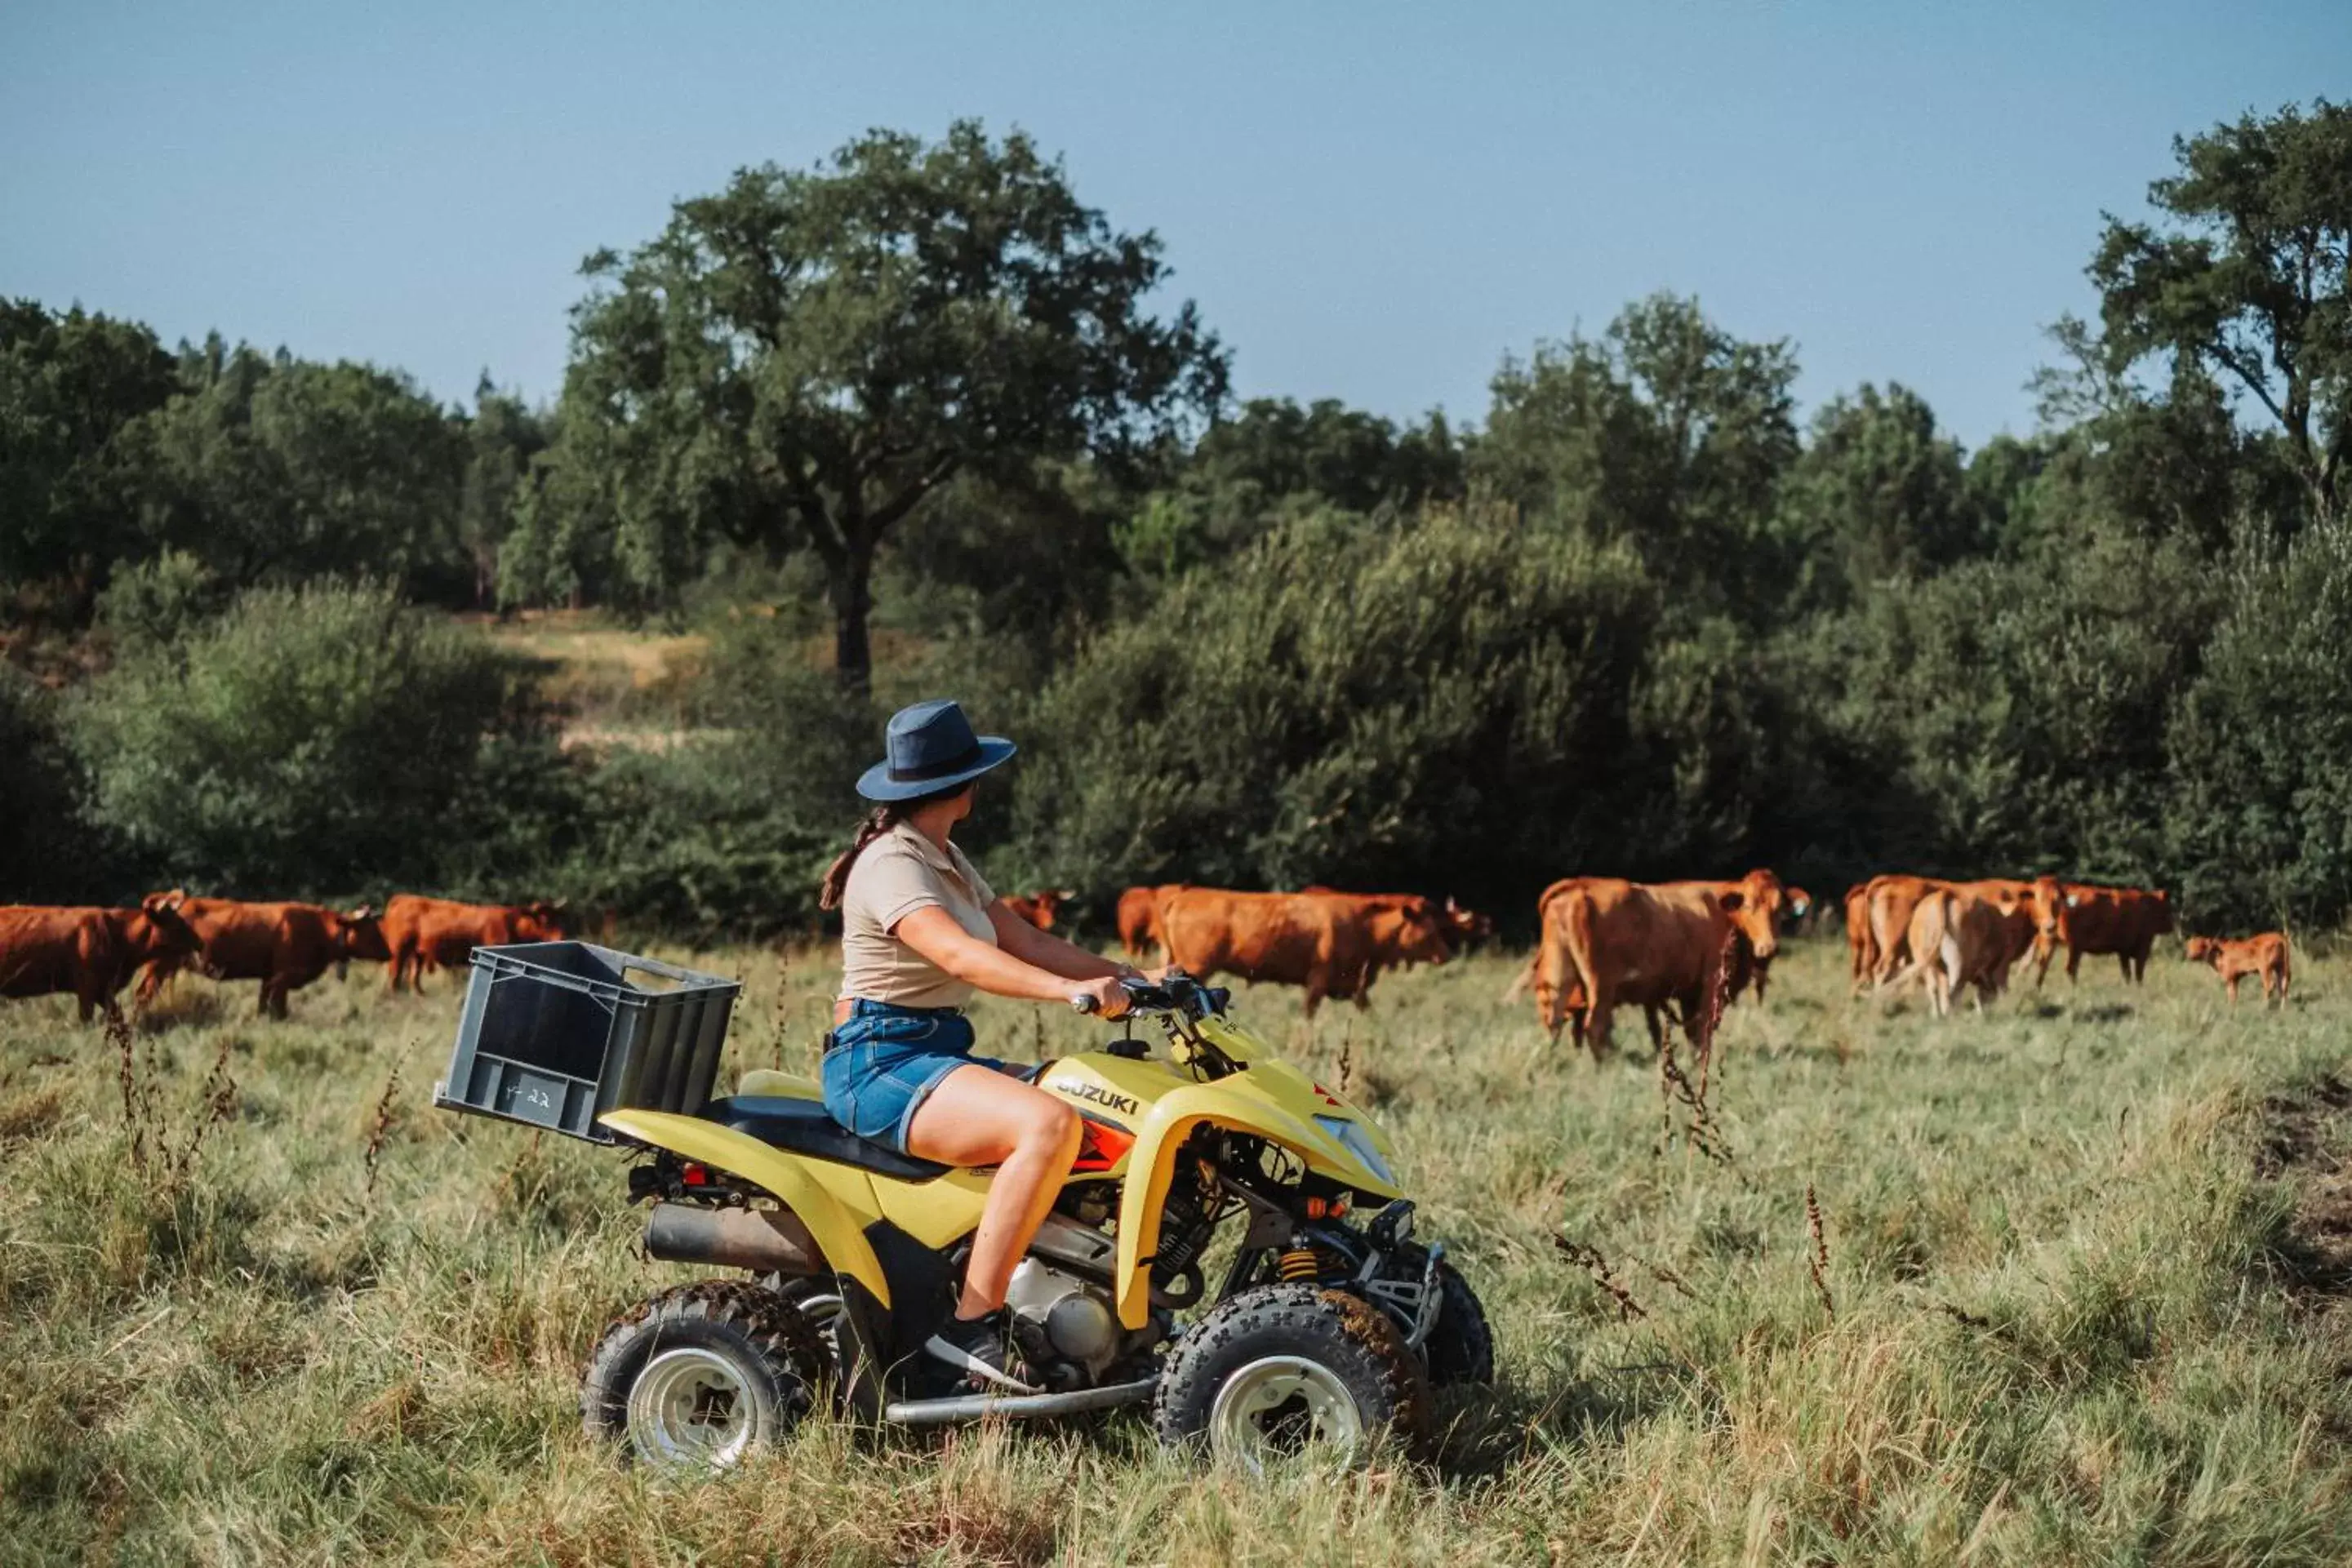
(1283, 1405)
(690, 1409)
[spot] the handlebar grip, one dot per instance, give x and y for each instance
(1086, 1003)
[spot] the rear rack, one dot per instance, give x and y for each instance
(555, 1034)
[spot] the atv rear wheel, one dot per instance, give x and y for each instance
(820, 1301)
(1286, 1369)
(698, 1376)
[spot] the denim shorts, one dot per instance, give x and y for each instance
(884, 1061)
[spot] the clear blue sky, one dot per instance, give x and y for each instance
(1374, 202)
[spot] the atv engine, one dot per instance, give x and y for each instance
(1066, 1319)
(1061, 1305)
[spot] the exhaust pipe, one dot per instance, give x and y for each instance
(973, 1407)
(763, 1240)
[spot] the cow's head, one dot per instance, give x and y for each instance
(1414, 932)
(1801, 903)
(359, 934)
(539, 921)
(2203, 950)
(1467, 924)
(2049, 904)
(159, 930)
(1755, 906)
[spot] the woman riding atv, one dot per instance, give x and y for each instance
(921, 931)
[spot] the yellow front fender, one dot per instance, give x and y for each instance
(1231, 1102)
(787, 1177)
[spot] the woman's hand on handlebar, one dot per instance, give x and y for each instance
(1105, 997)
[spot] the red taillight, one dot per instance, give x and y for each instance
(692, 1175)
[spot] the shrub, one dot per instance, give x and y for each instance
(46, 851)
(2010, 716)
(158, 601)
(314, 739)
(2261, 818)
(1443, 704)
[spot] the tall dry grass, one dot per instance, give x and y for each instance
(2028, 1288)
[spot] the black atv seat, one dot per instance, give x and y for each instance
(803, 1126)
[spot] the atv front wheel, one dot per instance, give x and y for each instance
(1285, 1369)
(700, 1374)
(1460, 1347)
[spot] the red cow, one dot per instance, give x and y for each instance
(88, 952)
(2264, 955)
(1138, 916)
(2125, 920)
(1608, 942)
(1334, 944)
(423, 933)
(1037, 908)
(1973, 933)
(283, 945)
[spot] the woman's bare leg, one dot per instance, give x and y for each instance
(978, 1116)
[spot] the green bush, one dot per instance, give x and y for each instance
(1445, 705)
(158, 601)
(45, 850)
(2009, 717)
(309, 740)
(2260, 806)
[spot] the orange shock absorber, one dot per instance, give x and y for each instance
(1299, 1264)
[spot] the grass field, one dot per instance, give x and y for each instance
(2082, 1298)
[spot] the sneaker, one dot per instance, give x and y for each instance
(976, 1345)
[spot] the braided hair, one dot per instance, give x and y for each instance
(876, 822)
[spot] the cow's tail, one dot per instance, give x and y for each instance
(1576, 917)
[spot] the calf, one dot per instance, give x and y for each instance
(2233, 959)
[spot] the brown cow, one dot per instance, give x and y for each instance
(1037, 908)
(1462, 924)
(1332, 945)
(1974, 932)
(1615, 941)
(1765, 903)
(2125, 920)
(1891, 899)
(2233, 959)
(1761, 892)
(283, 945)
(1861, 946)
(423, 933)
(88, 952)
(1138, 916)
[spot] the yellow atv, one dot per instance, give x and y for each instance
(1321, 1329)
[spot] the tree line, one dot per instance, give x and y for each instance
(1638, 618)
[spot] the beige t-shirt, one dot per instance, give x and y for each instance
(897, 874)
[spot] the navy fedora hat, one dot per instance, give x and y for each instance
(930, 749)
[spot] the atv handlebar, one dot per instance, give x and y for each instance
(1177, 993)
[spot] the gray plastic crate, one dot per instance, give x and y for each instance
(555, 1034)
